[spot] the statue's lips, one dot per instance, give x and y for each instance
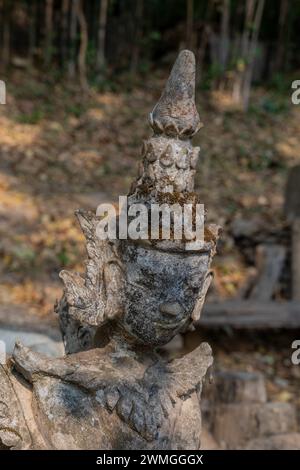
(169, 326)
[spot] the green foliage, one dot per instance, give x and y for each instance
(33, 117)
(91, 55)
(280, 83)
(31, 89)
(63, 257)
(211, 74)
(154, 36)
(75, 109)
(24, 253)
(273, 104)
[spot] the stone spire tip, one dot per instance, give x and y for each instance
(175, 114)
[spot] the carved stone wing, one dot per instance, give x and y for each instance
(14, 433)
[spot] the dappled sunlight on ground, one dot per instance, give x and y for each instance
(60, 151)
(38, 297)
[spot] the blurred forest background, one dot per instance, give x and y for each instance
(81, 78)
(106, 43)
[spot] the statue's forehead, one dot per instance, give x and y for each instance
(164, 262)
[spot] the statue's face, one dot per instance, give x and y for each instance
(161, 292)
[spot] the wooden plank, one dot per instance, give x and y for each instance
(296, 259)
(292, 194)
(270, 260)
(292, 213)
(251, 314)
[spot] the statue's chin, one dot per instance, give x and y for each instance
(159, 333)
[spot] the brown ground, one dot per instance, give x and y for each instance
(60, 151)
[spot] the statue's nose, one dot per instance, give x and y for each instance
(173, 309)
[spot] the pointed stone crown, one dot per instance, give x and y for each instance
(175, 114)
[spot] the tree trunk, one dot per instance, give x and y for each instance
(64, 30)
(138, 37)
(201, 52)
(282, 35)
(48, 31)
(204, 40)
(100, 58)
(32, 13)
(224, 43)
(83, 46)
(238, 83)
(242, 84)
(189, 23)
(73, 30)
(251, 55)
(6, 33)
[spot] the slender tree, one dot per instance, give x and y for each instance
(32, 32)
(282, 35)
(102, 22)
(224, 39)
(204, 40)
(64, 29)
(136, 50)
(72, 46)
(251, 54)
(242, 84)
(83, 46)
(48, 31)
(189, 23)
(6, 18)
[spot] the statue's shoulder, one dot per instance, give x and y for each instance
(81, 400)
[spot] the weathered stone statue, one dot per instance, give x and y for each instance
(113, 390)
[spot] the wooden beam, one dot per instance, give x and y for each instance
(296, 259)
(251, 314)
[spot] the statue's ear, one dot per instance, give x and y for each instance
(96, 296)
(201, 297)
